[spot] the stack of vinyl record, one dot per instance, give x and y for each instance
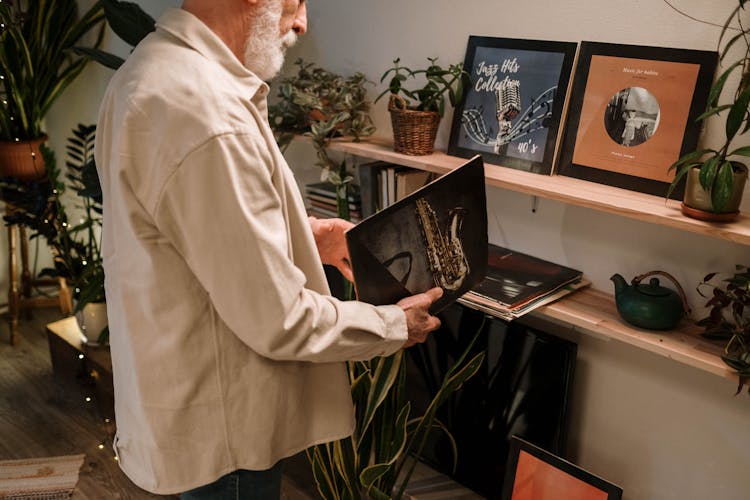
(517, 283)
(321, 201)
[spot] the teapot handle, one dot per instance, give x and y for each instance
(685, 305)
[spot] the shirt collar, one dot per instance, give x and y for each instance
(192, 32)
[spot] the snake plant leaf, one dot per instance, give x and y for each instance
(382, 380)
(323, 479)
(722, 188)
(344, 459)
(455, 382)
(376, 494)
(128, 20)
(374, 472)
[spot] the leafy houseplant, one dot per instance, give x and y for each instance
(720, 175)
(729, 318)
(37, 64)
(322, 105)
(39, 206)
(415, 123)
(377, 461)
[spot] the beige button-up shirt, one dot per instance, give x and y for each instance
(227, 348)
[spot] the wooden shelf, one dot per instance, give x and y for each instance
(644, 207)
(594, 313)
(590, 311)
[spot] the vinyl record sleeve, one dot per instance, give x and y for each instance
(436, 236)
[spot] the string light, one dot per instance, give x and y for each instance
(80, 356)
(101, 446)
(88, 399)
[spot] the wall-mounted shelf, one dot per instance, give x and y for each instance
(648, 208)
(590, 311)
(593, 312)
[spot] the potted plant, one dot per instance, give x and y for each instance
(37, 63)
(88, 282)
(322, 105)
(76, 248)
(378, 460)
(415, 124)
(715, 178)
(729, 318)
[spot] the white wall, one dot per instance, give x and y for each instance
(660, 429)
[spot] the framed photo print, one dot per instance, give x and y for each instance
(510, 113)
(632, 114)
(533, 472)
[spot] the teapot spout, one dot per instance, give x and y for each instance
(620, 283)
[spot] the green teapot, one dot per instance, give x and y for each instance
(651, 305)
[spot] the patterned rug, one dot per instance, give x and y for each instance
(50, 478)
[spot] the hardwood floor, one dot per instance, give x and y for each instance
(41, 415)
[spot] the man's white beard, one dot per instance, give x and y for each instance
(265, 48)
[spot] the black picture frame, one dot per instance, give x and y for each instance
(528, 80)
(611, 140)
(568, 474)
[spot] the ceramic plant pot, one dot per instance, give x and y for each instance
(697, 201)
(92, 320)
(22, 160)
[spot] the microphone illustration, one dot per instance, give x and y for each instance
(507, 107)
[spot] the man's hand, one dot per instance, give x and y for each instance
(419, 322)
(331, 243)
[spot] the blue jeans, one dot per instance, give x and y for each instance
(241, 485)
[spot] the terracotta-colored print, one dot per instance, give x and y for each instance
(634, 115)
(538, 480)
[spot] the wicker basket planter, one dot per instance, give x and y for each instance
(22, 160)
(414, 131)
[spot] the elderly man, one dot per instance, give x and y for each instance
(227, 349)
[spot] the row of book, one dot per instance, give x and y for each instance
(385, 184)
(516, 284)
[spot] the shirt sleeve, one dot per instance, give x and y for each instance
(223, 214)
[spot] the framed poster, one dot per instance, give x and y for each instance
(533, 472)
(511, 112)
(632, 114)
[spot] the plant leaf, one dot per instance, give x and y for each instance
(128, 20)
(708, 173)
(738, 113)
(722, 188)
